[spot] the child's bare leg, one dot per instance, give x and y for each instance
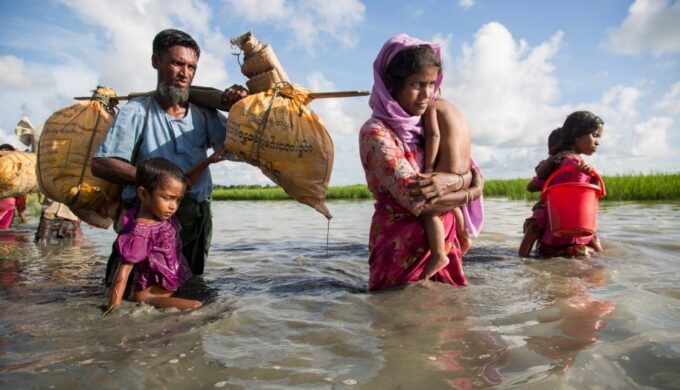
(531, 234)
(434, 229)
(597, 245)
(163, 299)
(461, 234)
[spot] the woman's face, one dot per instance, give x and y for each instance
(417, 91)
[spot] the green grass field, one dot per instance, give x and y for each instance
(620, 187)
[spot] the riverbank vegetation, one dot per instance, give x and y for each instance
(660, 186)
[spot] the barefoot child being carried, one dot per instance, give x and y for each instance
(447, 149)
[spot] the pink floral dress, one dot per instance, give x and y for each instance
(156, 252)
(397, 241)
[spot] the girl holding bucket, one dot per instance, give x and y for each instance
(580, 134)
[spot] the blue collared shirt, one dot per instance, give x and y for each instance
(184, 141)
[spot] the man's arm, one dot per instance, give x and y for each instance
(113, 170)
(196, 172)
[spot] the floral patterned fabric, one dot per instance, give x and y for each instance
(397, 242)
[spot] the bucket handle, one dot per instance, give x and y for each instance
(559, 170)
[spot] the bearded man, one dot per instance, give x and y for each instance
(166, 125)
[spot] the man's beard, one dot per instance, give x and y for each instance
(173, 94)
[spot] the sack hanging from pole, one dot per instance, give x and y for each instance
(276, 132)
(69, 139)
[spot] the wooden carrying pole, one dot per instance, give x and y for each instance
(313, 95)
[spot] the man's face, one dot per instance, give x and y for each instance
(176, 67)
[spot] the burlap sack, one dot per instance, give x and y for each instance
(278, 133)
(69, 139)
(260, 63)
(17, 174)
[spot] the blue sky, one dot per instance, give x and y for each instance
(515, 68)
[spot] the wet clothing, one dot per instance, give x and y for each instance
(6, 212)
(539, 213)
(155, 250)
(398, 244)
(551, 245)
(195, 235)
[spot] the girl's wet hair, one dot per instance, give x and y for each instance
(7, 148)
(408, 62)
(577, 124)
(152, 174)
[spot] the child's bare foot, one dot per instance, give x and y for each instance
(465, 244)
(597, 245)
(434, 264)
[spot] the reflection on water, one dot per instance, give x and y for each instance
(287, 310)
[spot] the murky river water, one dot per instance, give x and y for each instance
(286, 310)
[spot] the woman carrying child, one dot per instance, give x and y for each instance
(149, 244)
(580, 134)
(406, 75)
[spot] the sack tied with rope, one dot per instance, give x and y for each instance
(69, 139)
(276, 132)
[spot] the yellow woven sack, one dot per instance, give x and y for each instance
(17, 174)
(276, 132)
(69, 139)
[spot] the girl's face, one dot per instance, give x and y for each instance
(587, 144)
(161, 204)
(417, 91)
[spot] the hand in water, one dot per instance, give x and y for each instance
(109, 310)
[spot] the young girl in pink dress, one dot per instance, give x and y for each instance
(149, 244)
(580, 134)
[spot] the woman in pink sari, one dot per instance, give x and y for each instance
(406, 75)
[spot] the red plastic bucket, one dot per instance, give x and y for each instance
(572, 207)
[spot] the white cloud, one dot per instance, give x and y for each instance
(670, 102)
(466, 4)
(114, 50)
(14, 74)
(505, 88)
(124, 56)
(343, 118)
(651, 137)
(308, 20)
(510, 96)
(651, 25)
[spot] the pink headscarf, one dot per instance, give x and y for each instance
(408, 128)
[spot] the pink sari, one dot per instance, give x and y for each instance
(397, 242)
(6, 212)
(399, 250)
